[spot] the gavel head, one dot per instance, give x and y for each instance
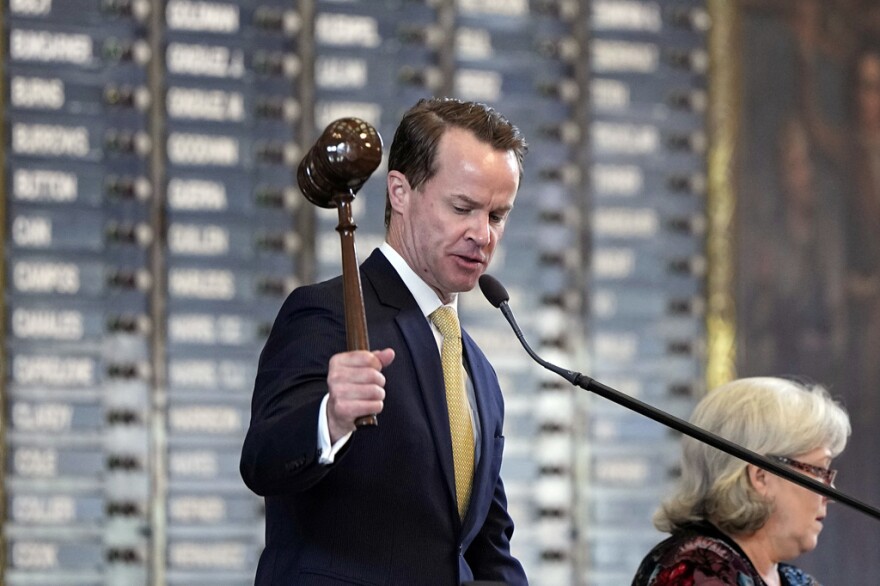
(341, 161)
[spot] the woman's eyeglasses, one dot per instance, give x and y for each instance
(826, 475)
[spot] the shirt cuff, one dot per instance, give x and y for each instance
(327, 452)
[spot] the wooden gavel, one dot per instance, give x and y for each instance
(331, 173)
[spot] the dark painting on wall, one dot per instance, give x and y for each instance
(807, 232)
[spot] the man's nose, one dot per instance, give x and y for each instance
(479, 230)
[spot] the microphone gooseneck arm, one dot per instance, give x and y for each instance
(497, 296)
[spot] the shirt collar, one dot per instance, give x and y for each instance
(425, 296)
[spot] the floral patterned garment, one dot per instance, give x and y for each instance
(700, 555)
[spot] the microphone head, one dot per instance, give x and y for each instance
(493, 290)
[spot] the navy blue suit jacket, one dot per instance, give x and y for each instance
(384, 512)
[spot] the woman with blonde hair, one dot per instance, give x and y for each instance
(732, 522)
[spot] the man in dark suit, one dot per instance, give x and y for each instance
(392, 504)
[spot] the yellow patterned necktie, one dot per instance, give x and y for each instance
(457, 404)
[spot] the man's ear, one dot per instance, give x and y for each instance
(399, 190)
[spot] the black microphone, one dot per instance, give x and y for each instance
(498, 297)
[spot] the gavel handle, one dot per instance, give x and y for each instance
(355, 316)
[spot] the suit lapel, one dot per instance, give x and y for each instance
(482, 379)
(391, 291)
(421, 343)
